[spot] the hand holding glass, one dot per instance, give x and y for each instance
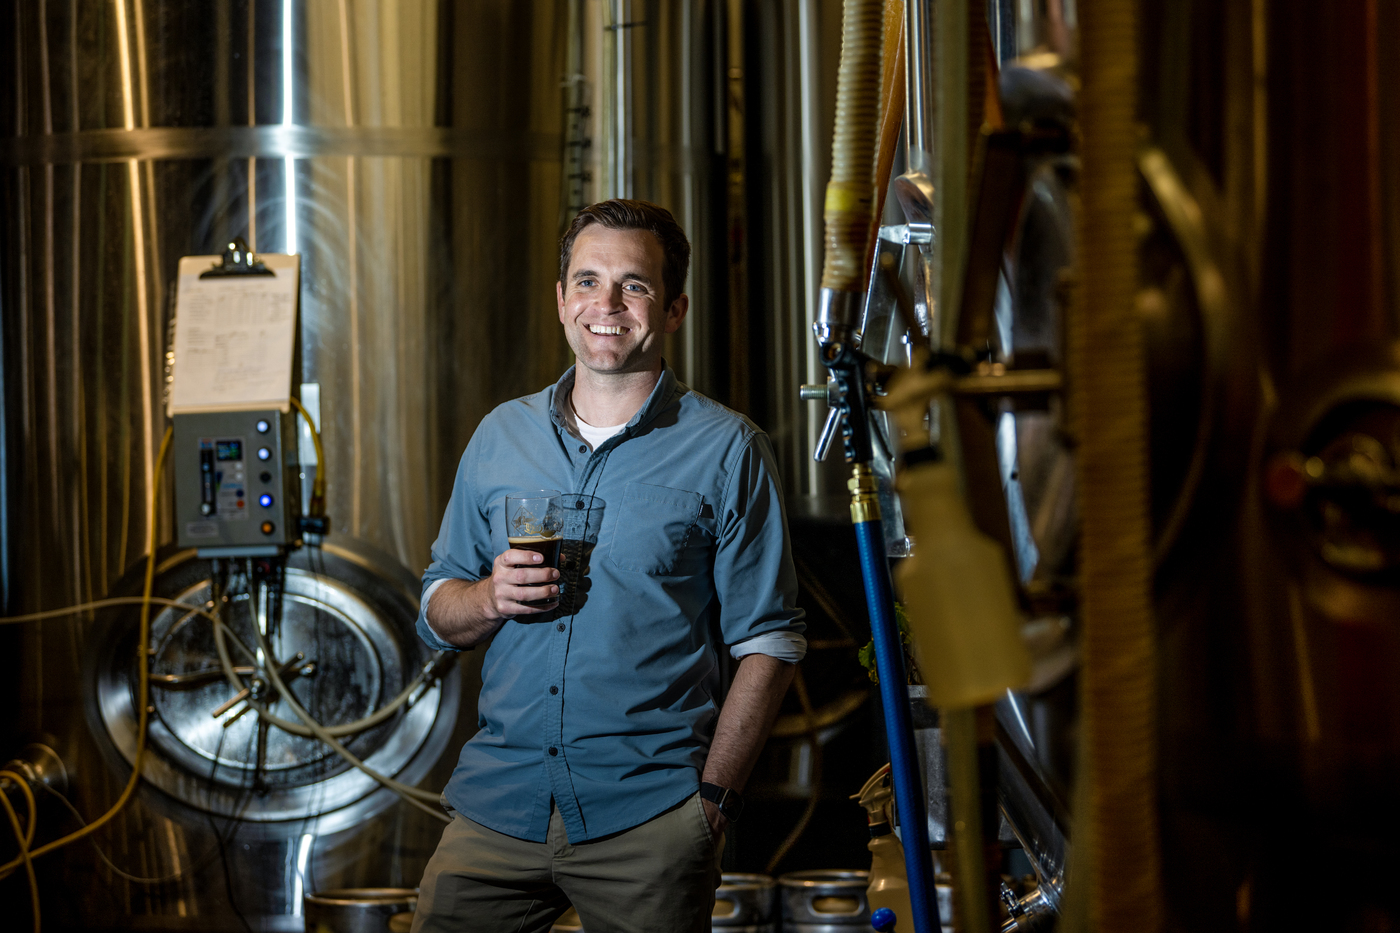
(533, 523)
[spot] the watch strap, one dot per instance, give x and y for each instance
(730, 802)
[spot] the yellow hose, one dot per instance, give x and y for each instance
(1108, 408)
(25, 838)
(850, 195)
(143, 682)
(102, 604)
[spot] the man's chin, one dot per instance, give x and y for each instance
(613, 366)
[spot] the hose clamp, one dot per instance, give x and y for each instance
(837, 312)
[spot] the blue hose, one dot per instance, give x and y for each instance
(899, 730)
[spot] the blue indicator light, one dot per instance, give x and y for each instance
(265, 500)
(263, 427)
(264, 453)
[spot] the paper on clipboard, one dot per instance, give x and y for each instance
(234, 337)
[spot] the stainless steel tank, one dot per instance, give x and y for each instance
(411, 153)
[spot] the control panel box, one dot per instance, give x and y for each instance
(237, 482)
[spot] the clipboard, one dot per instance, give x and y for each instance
(235, 332)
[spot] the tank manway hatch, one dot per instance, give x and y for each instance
(343, 641)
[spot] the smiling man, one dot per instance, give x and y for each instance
(605, 771)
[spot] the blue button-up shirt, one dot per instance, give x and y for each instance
(607, 705)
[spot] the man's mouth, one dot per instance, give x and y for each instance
(606, 330)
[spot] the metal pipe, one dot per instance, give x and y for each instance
(965, 815)
(810, 231)
(950, 219)
(918, 87)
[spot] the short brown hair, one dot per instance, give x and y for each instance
(624, 214)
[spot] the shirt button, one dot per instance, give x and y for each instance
(561, 626)
(553, 750)
(583, 448)
(553, 690)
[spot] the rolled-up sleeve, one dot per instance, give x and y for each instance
(754, 575)
(462, 550)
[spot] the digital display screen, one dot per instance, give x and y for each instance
(228, 449)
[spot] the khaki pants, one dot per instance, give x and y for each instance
(659, 877)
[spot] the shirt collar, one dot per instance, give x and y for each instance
(662, 395)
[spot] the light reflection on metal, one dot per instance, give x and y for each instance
(152, 232)
(919, 83)
(1184, 217)
(138, 228)
(352, 256)
(617, 100)
(299, 882)
(951, 111)
(288, 115)
(49, 311)
(252, 176)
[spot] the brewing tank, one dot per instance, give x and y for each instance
(411, 154)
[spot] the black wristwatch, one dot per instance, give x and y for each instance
(730, 802)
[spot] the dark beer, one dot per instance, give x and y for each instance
(549, 547)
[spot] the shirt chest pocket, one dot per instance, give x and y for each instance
(655, 530)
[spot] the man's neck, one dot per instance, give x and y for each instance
(606, 399)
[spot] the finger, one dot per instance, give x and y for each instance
(518, 602)
(518, 557)
(532, 576)
(532, 593)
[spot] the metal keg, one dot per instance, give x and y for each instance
(360, 910)
(745, 904)
(825, 901)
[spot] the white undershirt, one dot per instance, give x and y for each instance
(595, 436)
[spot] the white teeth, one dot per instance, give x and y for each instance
(611, 331)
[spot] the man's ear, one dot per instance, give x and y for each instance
(559, 298)
(676, 313)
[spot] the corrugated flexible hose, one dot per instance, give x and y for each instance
(850, 195)
(1108, 412)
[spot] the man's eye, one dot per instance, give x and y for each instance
(586, 283)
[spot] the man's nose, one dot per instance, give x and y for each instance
(613, 298)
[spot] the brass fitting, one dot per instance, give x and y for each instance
(865, 494)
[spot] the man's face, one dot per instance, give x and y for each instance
(611, 303)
